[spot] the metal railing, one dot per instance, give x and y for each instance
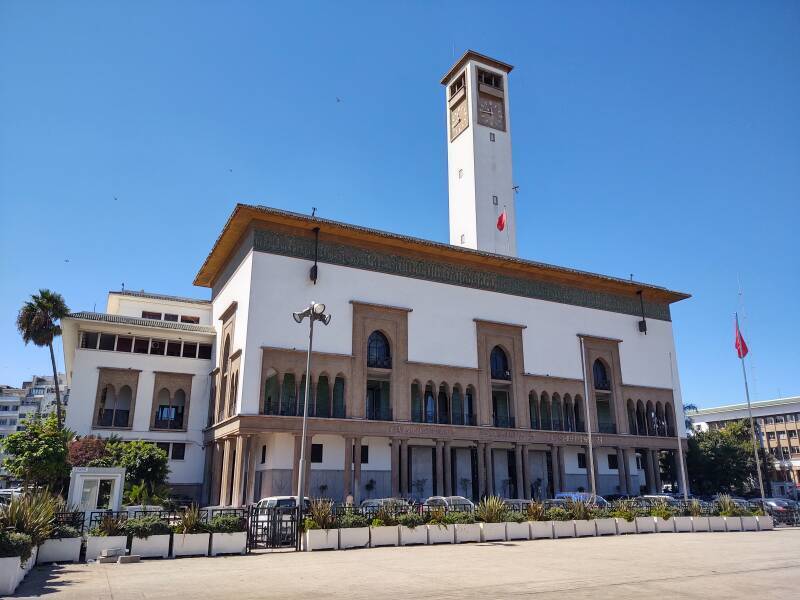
(505, 421)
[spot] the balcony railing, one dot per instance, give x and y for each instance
(465, 420)
(379, 413)
(504, 421)
(607, 428)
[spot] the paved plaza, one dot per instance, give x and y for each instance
(705, 565)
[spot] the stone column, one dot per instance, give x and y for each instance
(622, 471)
(216, 473)
(357, 471)
(481, 470)
(650, 472)
(447, 462)
(555, 460)
(657, 470)
(489, 470)
(594, 470)
(676, 460)
(225, 482)
(404, 467)
(395, 450)
(307, 474)
(255, 451)
(526, 472)
(439, 469)
(238, 470)
(518, 464)
(296, 465)
(348, 468)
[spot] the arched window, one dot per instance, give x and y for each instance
(499, 364)
(600, 375)
(547, 422)
(533, 408)
(661, 421)
(108, 402)
(641, 418)
(162, 410)
(338, 398)
(223, 386)
(430, 405)
(457, 406)
(670, 416)
(416, 403)
(442, 405)
(378, 352)
(557, 414)
(289, 395)
(272, 392)
(580, 423)
(651, 419)
(323, 407)
(569, 414)
(632, 418)
(469, 406)
(123, 409)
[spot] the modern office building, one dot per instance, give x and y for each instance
(446, 369)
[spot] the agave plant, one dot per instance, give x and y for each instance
(191, 521)
(624, 509)
(109, 526)
(491, 509)
(660, 509)
(321, 514)
(32, 514)
(580, 510)
(726, 507)
(535, 511)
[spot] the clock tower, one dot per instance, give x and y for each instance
(482, 214)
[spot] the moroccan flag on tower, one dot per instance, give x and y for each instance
(741, 347)
(501, 221)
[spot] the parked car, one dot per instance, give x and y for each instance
(665, 498)
(397, 505)
(451, 502)
(517, 504)
(583, 497)
(281, 502)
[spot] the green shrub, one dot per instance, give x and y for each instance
(694, 509)
(580, 510)
(436, 516)
(64, 531)
(660, 509)
(386, 516)
(144, 527)
(15, 544)
(350, 520)
(515, 516)
(109, 526)
(227, 523)
(599, 513)
(491, 509)
(458, 517)
(557, 513)
(410, 520)
(376, 522)
(624, 509)
(726, 507)
(190, 522)
(321, 513)
(32, 514)
(535, 511)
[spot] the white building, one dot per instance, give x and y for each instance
(446, 368)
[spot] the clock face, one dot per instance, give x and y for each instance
(490, 112)
(458, 119)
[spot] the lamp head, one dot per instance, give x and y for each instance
(318, 308)
(299, 316)
(325, 319)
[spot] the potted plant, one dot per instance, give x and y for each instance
(765, 522)
(149, 536)
(662, 515)
(108, 534)
(604, 522)
(700, 522)
(228, 534)
(491, 513)
(538, 523)
(63, 545)
(15, 550)
(353, 531)
(624, 513)
(563, 525)
(34, 515)
(581, 513)
(517, 527)
(411, 529)
(440, 530)
(319, 527)
(730, 512)
(190, 535)
(465, 529)
(383, 529)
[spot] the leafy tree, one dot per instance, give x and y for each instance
(722, 460)
(37, 322)
(144, 463)
(84, 450)
(38, 454)
(688, 421)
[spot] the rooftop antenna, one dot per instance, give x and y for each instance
(123, 286)
(313, 211)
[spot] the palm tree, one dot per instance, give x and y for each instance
(37, 322)
(688, 421)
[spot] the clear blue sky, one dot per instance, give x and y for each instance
(655, 138)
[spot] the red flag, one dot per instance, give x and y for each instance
(501, 221)
(741, 347)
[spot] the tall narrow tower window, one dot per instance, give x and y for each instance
(494, 200)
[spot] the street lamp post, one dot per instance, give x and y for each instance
(314, 312)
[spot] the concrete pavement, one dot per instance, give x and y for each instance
(702, 565)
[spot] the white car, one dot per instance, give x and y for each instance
(451, 502)
(281, 502)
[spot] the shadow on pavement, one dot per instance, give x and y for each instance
(42, 580)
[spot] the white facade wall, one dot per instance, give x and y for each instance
(279, 286)
(132, 306)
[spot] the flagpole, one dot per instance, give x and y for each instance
(684, 484)
(756, 444)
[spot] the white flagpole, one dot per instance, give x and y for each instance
(756, 444)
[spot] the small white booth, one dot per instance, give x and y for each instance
(96, 488)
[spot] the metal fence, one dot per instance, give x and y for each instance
(70, 518)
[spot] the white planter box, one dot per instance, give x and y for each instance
(63, 550)
(700, 524)
(606, 526)
(190, 544)
(749, 524)
(585, 528)
(733, 523)
(682, 524)
(95, 544)
(563, 529)
(353, 537)
(625, 527)
(26, 568)
(229, 543)
(409, 536)
(765, 523)
(11, 574)
(645, 525)
(467, 532)
(665, 525)
(320, 539)
(155, 546)
(518, 531)
(441, 534)
(493, 532)
(716, 523)
(541, 529)
(383, 536)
